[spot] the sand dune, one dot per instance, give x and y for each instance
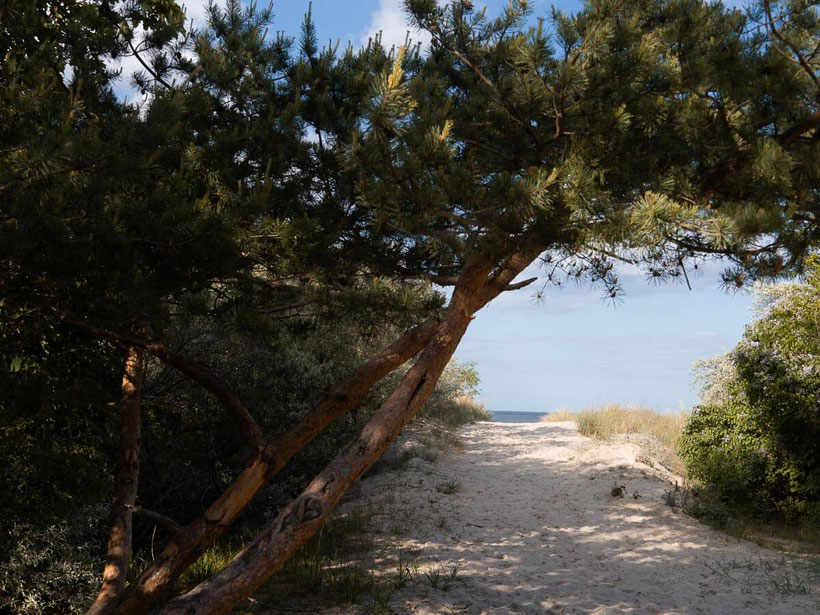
(534, 529)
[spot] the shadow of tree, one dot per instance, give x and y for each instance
(535, 529)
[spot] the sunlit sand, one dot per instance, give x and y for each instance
(534, 528)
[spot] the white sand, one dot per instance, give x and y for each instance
(535, 529)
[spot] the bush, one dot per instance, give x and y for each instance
(723, 448)
(453, 402)
(755, 443)
(53, 568)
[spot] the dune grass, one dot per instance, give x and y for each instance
(660, 431)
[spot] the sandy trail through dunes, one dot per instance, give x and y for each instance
(534, 529)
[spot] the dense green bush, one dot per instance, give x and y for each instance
(755, 442)
(53, 567)
(58, 427)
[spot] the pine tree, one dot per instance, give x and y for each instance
(258, 180)
(656, 133)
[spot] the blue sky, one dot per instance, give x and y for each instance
(573, 349)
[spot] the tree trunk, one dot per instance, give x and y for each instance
(127, 478)
(300, 519)
(194, 539)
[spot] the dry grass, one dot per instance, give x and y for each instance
(562, 414)
(660, 431)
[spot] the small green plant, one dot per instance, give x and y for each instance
(442, 579)
(51, 569)
(402, 577)
(380, 595)
(449, 488)
(211, 562)
(349, 583)
(670, 498)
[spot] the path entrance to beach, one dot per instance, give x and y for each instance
(534, 528)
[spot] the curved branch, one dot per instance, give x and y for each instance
(194, 370)
(168, 524)
(800, 61)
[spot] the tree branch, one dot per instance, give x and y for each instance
(203, 531)
(194, 370)
(518, 285)
(800, 61)
(168, 524)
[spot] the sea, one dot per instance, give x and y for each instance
(517, 417)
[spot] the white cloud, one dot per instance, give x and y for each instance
(196, 10)
(391, 20)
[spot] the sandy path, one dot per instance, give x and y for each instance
(535, 529)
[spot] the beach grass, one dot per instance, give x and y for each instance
(658, 433)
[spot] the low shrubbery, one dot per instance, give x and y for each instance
(53, 567)
(754, 443)
(454, 400)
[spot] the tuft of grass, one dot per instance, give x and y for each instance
(785, 575)
(397, 461)
(442, 579)
(661, 432)
(560, 415)
(380, 595)
(449, 488)
(403, 575)
(211, 562)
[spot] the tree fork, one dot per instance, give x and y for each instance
(191, 541)
(118, 551)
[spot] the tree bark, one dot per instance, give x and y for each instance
(119, 536)
(300, 519)
(194, 539)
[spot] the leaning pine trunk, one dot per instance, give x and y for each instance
(303, 517)
(119, 535)
(198, 536)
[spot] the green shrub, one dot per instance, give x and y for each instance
(453, 402)
(756, 444)
(52, 568)
(723, 448)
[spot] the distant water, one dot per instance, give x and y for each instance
(517, 417)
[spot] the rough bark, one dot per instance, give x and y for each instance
(194, 539)
(300, 519)
(127, 478)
